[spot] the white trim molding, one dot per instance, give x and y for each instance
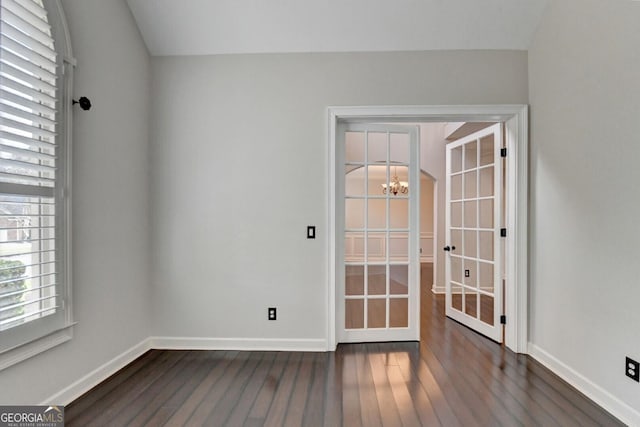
(516, 266)
(438, 289)
(30, 349)
(241, 344)
(95, 377)
(516, 119)
(354, 246)
(442, 290)
(101, 373)
(599, 395)
(427, 246)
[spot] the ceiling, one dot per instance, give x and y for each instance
(205, 27)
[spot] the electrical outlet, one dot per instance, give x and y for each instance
(467, 273)
(271, 313)
(632, 369)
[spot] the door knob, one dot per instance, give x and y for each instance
(449, 248)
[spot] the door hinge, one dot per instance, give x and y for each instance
(503, 232)
(503, 152)
(503, 320)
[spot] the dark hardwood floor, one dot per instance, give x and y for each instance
(453, 377)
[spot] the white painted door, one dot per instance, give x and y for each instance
(378, 275)
(474, 291)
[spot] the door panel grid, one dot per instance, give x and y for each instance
(380, 232)
(474, 215)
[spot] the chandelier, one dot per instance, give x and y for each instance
(395, 186)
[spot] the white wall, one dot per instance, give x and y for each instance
(427, 185)
(433, 162)
(584, 69)
(239, 167)
(110, 209)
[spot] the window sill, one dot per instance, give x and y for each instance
(18, 354)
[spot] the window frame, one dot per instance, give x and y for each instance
(35, 340)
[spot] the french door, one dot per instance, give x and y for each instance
(378, 263)
(474, 211)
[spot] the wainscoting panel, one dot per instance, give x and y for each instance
(398, 247)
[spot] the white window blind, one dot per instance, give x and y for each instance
(30, 290)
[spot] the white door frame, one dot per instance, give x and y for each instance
(516, 196)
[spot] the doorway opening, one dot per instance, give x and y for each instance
(426, 243)
(428, 231)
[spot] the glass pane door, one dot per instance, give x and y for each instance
(378, 295)
(473, 220)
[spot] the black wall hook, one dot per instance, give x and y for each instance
(84, 102)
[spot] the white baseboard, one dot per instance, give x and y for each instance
(243, 344)
(438, 289)
(609, 402)
(95, 377)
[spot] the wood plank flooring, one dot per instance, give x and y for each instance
(453, 377)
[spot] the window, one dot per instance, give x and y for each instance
(34, 173)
